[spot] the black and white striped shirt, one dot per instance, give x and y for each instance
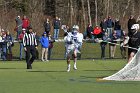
(29, 40)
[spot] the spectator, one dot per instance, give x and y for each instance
(18, 28)
(117, 28)
(112, 45)
(30, 45)
(56, 24)
(51, 41)
(21, 43)
(110, 25)
(25, 22)
(1, 44)
(47, 26)
(38, 42)
(80, 42)
(10, 43)
(4, 46)
(45, 44)
(122, 48)
(97, 32)
(103, 25)
(65, 34)
(65, 28)
(103, 44)
(89, 29)
(131, 21)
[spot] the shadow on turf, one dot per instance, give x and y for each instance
(101, 70)
(46, 71)
(11, 68)
(85, 77)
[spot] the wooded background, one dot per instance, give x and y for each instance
(81, 12)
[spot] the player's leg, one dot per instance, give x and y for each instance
(68, 53)
(68, 63)
(75, 60)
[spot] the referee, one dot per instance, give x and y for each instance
(30, 45)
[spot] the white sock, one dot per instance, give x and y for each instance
(68, 65)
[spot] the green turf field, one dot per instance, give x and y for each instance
(52, 77)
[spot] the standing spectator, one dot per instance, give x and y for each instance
(21, 43)
(56, 24)
(51, 41)
(47, 26)
(18, 26)
(110, 25)
(103, 44)
(10, 44)
(38, 42)
(123, 43)
(80, 42)
(4, 46)
(45, 44)
(65, 28)
(9, 40)
(89, 30)
(131, 21)
(117, 28)
(112, 45)
(103, 25)
(30, 45)
(25, 22)
(1, 44)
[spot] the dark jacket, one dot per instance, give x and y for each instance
(130, 23)
(56, 24)
(117, 25)
(134, 40)
(103, 25)
(110, 23)
(89, 30)
(47, 26)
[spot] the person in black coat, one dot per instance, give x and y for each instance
(47, 26)
(131, 21)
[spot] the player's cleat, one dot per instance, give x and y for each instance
(68, 68)
(42, 60)
(75, 68)
(47, 60)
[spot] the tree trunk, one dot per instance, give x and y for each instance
(84, 15)
(128, 3)
(71, 13)
(89, 15)
(96, 16)
(108, 4)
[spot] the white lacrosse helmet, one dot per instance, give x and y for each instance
(76, 27)
(135, 26)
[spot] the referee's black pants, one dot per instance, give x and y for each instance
(30, 50)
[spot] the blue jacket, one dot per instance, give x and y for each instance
(44, 42)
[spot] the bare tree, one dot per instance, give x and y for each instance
(89, 15)
(128, 3)
(108, 4)
(84, 15)
(96, 10)
(71, 13)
